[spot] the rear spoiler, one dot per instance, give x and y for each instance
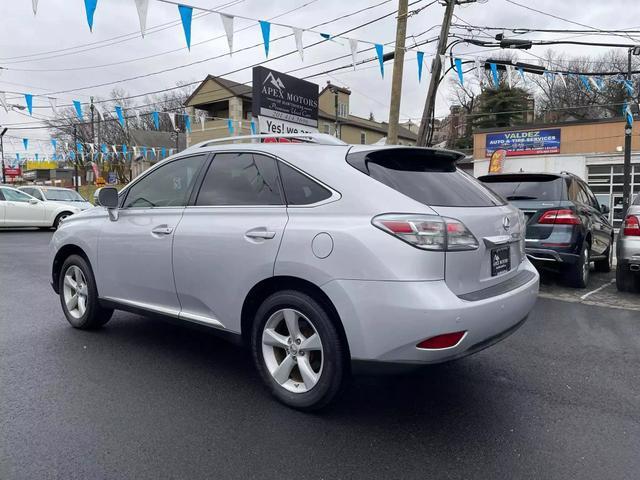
(438, 159)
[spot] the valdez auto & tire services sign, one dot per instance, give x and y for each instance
(285, 98)
(527, 142)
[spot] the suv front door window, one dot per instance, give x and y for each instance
(134, 252)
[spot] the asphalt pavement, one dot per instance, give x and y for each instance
(146, 399)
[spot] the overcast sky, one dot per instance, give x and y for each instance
(61, 24)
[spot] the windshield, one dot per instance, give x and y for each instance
(534, 189)
(60, 195)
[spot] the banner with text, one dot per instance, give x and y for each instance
(529, 142)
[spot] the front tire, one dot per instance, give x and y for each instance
(578, 274)
(79, 296)
(298, 350)
(605, 264)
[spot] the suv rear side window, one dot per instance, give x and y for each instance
(427, 176)
(300, 189)
(241, 179)
(541, 188)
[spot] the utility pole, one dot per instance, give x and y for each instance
(398, 67)
(93, 138)
(75, 163)
(436, 70)
(335, 102)
(628, 129)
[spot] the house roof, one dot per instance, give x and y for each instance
(380, 127)
(340, 89)
(235, 88)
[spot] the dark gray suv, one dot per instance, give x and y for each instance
(566, 227)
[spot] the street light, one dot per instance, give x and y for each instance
(4, 130)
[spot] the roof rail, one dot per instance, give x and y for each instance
(318, 138)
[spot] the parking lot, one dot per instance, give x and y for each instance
(143, 398)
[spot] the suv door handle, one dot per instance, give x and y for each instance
(265, 234)
(162, 230)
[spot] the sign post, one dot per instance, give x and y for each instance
(284, 104)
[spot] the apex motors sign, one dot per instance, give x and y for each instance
(284, 98)
(528, 142)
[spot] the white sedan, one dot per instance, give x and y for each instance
(18, 209)
(57, 194)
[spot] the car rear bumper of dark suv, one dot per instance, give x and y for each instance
(548, 255)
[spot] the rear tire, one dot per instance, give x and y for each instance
(577, 275)
(59, 218)
(605, 264)
(305, 375)
(79, 296)
(626, 280)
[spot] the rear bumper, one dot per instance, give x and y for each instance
(384, 321)
(543, 256)
(628, 251)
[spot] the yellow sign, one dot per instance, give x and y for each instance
(44, 165)
(497, 161)
(100, 181)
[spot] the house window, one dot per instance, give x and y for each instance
(343, 110)
(363, 138)
(327, 129)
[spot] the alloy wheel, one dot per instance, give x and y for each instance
(75, 291)
(292, 350)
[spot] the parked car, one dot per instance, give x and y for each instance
(318, 255)
(566, 227)
(19, 209)
(628, 250)
(57, 194)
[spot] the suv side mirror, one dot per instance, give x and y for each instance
(604, 209)
(108, 198)
(33, 201)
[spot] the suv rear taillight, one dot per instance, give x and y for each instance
(428, 232)
(560, 217)
(631, 226)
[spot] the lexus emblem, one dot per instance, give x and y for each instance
(506, 224)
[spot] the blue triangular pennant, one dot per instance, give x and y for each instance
(458, 63)
(90, 7)
(230, 126)
(185, 15)
(79, 147)
(163, 152)
(380, 54)
(266, 33)
(120, 115)
(103, 147)
(36, 156)
(187, 123)
(585, 81)
(326, 36)
(253, 127)
(156, 120)
(420, 59)
(28, 98)
(494, 74)
(124, 151)
(54, 144)
(25, 142)
(78, 106)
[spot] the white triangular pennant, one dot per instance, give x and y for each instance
(143, 7)
(564, 82)
(172, 118)
(3, 101)
(138, 117)
(509, 72)
(227, 23)
(54, 105)
(91, 147)
(202, 120)
(478, 71)
(297, 34)
(594, 83)
(443, 61)
(34, 4)
(353, 46)
(100, 112)
(115, 150)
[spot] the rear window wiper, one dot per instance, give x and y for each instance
(521, 197)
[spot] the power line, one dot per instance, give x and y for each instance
(227, 73)
(97, 44)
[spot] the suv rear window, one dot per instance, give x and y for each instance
(427, 176)
(534, 187)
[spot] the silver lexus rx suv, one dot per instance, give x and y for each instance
(316, 254)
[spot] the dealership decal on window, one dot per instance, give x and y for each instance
(529, 142)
